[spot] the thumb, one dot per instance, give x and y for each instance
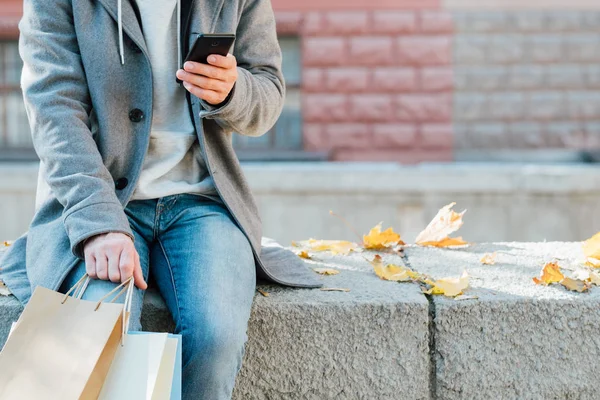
(138, 276)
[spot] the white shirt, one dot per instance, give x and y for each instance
(174, 162)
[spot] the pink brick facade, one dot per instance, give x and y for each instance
(377, 81)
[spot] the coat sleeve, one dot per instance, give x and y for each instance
(257, 97)
(58, 104)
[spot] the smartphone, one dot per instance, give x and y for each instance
(207, 44)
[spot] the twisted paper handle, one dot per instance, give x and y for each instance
(126, 286)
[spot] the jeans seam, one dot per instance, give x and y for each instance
(172, 281)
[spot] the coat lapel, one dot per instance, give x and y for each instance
(131, 25)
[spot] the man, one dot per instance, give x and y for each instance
(137, 173)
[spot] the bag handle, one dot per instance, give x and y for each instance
(126, 286)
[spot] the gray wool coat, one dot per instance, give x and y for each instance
(78, 97)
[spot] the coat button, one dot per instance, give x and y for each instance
(121, 183)
(136, 115)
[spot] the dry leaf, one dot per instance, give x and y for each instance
(378, 240)
(594, 278)
(489, 259)
(439, 229)
(592, 262)
(450, 286)
(326, 271)
(591, 247)
(332, 289)
(549, 274)
(335, 246)
(575, 284)
(466, 297)
(586, 275)
(6, 243)
(262, 292)
(304, 254)
(447, 242)
(391, 272)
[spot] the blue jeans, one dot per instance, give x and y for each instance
(204, 269)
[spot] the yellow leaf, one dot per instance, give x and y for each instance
(332, 289)
(446, 242)
(450, 286)
(304, 254)
(335, 246)
(326, 271)
(6, 243)
(591, 247)
(377, 240)
(549, 274)
(489, 258)
(575, 284)
(594, 278)
(592, 262)
(391, 272)
(265, 294)
(443, 224)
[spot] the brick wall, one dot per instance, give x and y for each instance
(377, 84)
(527, 80)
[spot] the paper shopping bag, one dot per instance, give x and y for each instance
(61, 346)
(144, 368)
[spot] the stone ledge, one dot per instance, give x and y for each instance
(370, 342)
(515, 340)
(518, 339)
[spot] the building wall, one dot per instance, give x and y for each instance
(429, 80)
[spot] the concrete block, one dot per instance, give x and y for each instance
(370, 342)
(517, 339)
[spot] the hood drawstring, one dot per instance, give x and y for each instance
(120, 25)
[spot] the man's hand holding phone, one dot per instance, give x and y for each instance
(210, 82)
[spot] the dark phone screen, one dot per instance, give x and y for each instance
(207, 44)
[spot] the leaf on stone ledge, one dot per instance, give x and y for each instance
(586, 275)
(441, 226)
(575, 284)
(591, 247)
(326, 271)
(549, 274)
(304, 254)
(334, 246)
(378, 240)
(450, 287)
(391, 272)
(489, 258)
(7, 243)
(265, 294)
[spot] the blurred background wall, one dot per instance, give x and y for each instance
(395, 108)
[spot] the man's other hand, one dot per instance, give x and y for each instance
(113, 256)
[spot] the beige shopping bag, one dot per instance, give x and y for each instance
(62, 346)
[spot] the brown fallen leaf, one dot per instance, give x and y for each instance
(441, 226)
(391, 272)
(266, 294)
(334, 246)
(332, 289)
(304, 254)
(450, 287)
(575, 284)
(466, 297)
(549, 274)
(6, 243)
(447, 242)
(378, 240)
(489, 258)
(326, 271)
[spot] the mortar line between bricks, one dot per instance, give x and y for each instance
(432, 344)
